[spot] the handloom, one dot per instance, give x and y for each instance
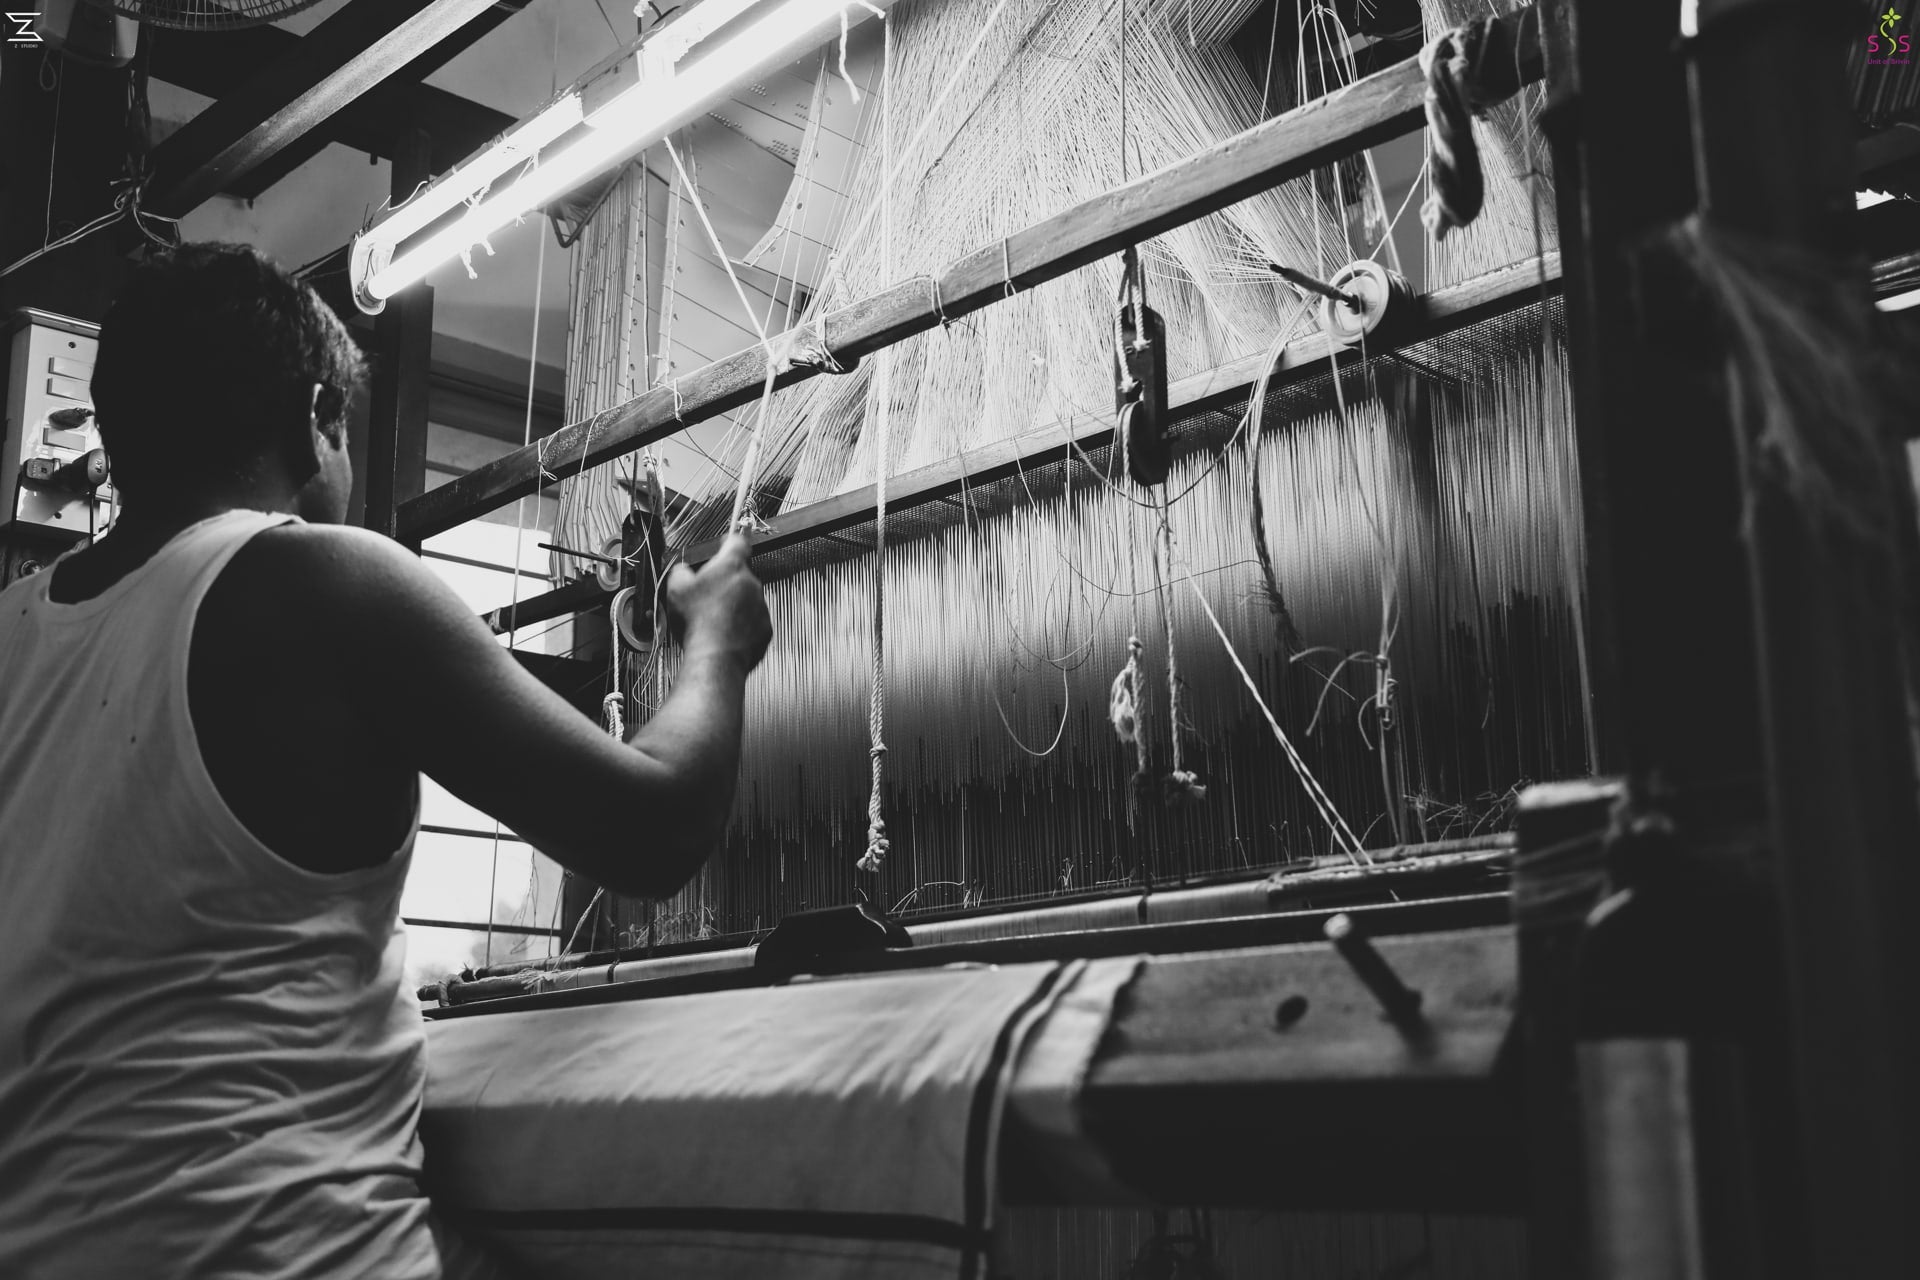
(1034, 704)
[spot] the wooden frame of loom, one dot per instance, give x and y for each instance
(1813, 638)
(1371, 110)
(1191, 1071)
(1430, 316)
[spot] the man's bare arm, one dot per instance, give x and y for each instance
(429, 679)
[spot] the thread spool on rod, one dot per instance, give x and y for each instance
(1301, 280)
(569, 551)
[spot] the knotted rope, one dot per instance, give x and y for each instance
(1126, 708)
(1181, 782)
(878, 846)
(1123, 704)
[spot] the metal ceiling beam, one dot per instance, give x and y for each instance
(345, 57)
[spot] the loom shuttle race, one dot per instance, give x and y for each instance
(1341, 585)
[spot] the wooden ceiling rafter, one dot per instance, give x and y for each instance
(340, 68)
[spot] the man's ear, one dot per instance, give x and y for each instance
(327, 414)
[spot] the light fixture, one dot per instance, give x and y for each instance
(618, 109)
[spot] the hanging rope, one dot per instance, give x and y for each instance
(1126, 708)
(1127, 702)
(1342, 833)
(1182, 783)
(878, 846)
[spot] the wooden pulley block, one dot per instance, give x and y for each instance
(1140, 394)
(632, 615)
(1372, 297)
(643, 565)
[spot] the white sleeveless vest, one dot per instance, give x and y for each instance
(209, 1065)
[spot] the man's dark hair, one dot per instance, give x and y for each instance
(207, 363)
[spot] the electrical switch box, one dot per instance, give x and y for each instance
(53, 470)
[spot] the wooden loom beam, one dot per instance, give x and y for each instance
(1261, 1075)
(1431, 315)
(1269, 1076)
(1443, 311)
(1372, 110)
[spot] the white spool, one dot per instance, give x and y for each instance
(1380, 292)
(606, 571)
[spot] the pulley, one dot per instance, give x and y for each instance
(1140, 379)
(643, 564)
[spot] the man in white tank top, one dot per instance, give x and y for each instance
(211, 725)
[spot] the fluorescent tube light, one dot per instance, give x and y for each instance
(474, 177)
(664, 98)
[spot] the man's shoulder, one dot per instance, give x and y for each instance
(296, 539)
(316, 576)
(314, 557)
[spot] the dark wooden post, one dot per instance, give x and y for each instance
(1745, 655)
(397, 430)
(1774, 131)
(1672, 650)
(1670, 635)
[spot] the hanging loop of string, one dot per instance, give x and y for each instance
(1182, 784)
(1342, 833)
